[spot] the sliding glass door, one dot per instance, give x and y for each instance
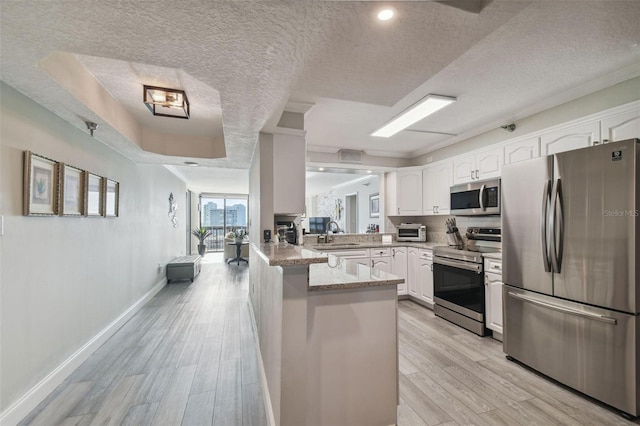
(222, 214)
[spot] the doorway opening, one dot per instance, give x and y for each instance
(351, 213)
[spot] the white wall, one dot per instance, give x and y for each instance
(63, 280)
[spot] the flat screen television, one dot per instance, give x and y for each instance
(318, 225)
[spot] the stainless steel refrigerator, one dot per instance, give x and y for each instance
(570, 241)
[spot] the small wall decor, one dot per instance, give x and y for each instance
(374, 205)
(111, 198)
(339, 208)
(94, 199)
(173, 210)
(40, 185)
(72, 182)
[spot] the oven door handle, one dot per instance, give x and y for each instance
(475, 267)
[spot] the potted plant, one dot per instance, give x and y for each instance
(239, 234)
(201, 234)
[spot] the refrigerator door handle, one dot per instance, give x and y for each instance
(588, 315)
(556, 224)
(544, 226)
(481, 198)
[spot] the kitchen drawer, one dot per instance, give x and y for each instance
(351, 253)
(380, 252)
(426, 254)
(493, 265)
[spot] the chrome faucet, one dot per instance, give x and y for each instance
(329, 238)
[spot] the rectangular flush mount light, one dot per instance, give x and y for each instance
(426, 106)
(166, 102)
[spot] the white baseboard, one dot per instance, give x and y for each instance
(23, 406)
(263, 376)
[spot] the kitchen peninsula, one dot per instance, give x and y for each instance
(327, 331)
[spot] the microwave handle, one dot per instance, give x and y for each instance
(481, 196)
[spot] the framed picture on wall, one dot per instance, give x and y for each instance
(374, 205)
(71, 191)
(94, 201)
(112, 195)
(40, 196)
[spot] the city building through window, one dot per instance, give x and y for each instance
(222, 214)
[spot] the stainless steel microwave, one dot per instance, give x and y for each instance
(476, 198)
(412, 232)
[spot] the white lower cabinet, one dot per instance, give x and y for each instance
(412, 271)
(493, 294)
(425, 276)
(399, 267)
(381, 260)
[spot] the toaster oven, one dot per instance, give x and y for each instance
(411, 232)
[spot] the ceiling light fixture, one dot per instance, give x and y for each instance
(321, 169)
(421, 109)
(386, 14)
(166, 102)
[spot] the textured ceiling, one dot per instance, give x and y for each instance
(242, 61)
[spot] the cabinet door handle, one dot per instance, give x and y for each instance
(477, 174)
(471, 174)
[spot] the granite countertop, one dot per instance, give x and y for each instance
(354, 246)
(340, 274)
(284, 254)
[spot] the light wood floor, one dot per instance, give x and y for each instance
(188, 358)
(449, 376)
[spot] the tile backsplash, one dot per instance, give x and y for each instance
(436, 228)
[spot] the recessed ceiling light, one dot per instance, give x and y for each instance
(369, 171)
(321, 169)
(191, 163)
(386, 13)
(426, 106)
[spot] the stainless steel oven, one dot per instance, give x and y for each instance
(458, 279)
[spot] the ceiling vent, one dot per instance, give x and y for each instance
(350, 156)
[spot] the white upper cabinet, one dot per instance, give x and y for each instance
(567, 139)
(409, 192)
(522, 150)
(436, 181)
(480, 165)
(621, 126)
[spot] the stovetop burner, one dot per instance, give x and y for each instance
(472, 252)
